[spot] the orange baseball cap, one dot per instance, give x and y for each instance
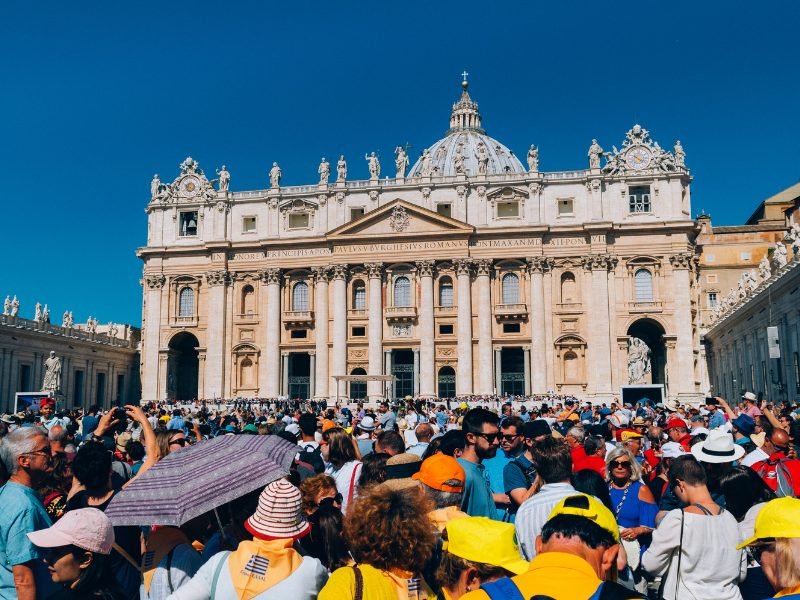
(327, 424)
(623, 435)
(437, 470)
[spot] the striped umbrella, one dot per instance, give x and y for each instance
(200, 478)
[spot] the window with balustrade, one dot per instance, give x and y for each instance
(643, 285)
(445, 291)
(402, 291)
(359, 295)
(300, 296)
(510, 288)
(186, 302)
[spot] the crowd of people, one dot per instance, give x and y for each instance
(553, 498)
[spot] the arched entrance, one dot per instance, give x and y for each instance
(652, 334)
(403, 370)
(182, 367)
(446, 387)
(512, 372)
(358, 389)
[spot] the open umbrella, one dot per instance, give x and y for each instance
(200, 478)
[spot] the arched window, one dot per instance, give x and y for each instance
(447, 382)
(186, 302)
(359, 295)
(568, 289)
(246, 373)
(358, 389)
(300, 296)
(643, 284)
(571, 367)
(402, 291)
(445, 291)
(248, 300)
(510, 285)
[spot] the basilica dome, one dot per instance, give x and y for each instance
(465, 144)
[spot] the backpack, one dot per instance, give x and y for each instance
(529, 472)
(313, 457)
(506, 589)
(785, 487)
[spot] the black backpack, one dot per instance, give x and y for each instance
(313, 457)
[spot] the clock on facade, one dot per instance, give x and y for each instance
(638, 158)
(190, 186)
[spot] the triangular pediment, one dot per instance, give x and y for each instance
(399, 218)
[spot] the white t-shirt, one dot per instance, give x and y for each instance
(346, 479)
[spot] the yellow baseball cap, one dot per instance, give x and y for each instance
(483, 540)
(596, 512)
(780, 518)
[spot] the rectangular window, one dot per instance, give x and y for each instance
(188, 224)
(511, 328)
(710, 258)
(77, 388)
(712, 299)
(100, 391)
(120, 389)
(445, 330)
(566, 207)
(299, 334)
(356, 213)
(24, 378)
(444, 209)
(745, 256)
(298, 221)
(507, 210)
(358, 332)
(639, 199)
(248, 224)
(711, 278)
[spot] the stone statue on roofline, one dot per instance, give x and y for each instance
(14, 306)
(425, 165)
(341, 169)
(680, 155)
(780, 256)
(37, 313)
(324, 171)
(7, 306)
(400, 162)
(764, 269)
(482, 156)
(224, 179)
(275, 175)
(793, 237)
(595, 152)
(374, 165)
(533, 159)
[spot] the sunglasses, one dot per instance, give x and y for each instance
(490, 437)
(56, 554)
(624, 464)
(508, 436)
(180, 441)
(757, 550)
(335, 501)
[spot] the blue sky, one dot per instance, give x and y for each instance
(96, 97)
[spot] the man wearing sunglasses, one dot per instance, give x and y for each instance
(481, 434)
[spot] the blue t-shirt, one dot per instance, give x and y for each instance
(494, 468)
(477, 500)
(89, 424)
(177, 423)
(716, 420)
(514, 474)
(22, 512)
(441, 419)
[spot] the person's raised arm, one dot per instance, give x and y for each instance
(726, 406)
(150, 444)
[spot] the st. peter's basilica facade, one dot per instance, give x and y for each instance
(469, 273)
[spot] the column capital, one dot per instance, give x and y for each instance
(600, 262)
(483, 266)
(321, 274)
(426, 268)
(155, 282)
(539, 264)
(463, 266)
(374, 270)
(339, 271)
(215, 278)
(272, 275)
(683, 260)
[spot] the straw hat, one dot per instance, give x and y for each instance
(279, 514)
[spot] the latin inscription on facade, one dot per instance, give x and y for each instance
(294, 252)
(566, 241)
(400, 247)
(521, 243)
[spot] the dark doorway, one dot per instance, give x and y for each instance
(77, 388)
(24, 383)
(358, 389)
(403, 370)
(512, 371)
(183, 367)
(447, 382)
(651, 333)
(299, 375)
(100, 392)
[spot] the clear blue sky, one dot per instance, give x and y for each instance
(98, 96)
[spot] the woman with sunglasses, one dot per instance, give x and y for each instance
(341, 462)
(632, 502)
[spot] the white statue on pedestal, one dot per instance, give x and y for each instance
(14, 306)
(425, 166)
(275, 175)
(400, 162)
(374, 165)
(482, 157)
(37, 315)
(780, 257)
(680, 155)
(224, 179)
(52, 373)
(638, 360)
(750, 281)
(91, 325)
(595, 152)
(7, 306)
(793, 236)
(341, 169)
(324, 171)
(764, 270)
(533, 159)
(458, 160)
(155, 186)
(45, 314)
(65, 319)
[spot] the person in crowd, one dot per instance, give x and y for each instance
(76, 551)
(390, 540)
(511, 447)
(451, 443)
(750, 405)
(575, 558)
(481, 434)
(341, 460)
(170, 440)
(27, 458)
(781, 473)
(716, 418)
(554, 466)
(678, 431)
(136, 453)
(324, 540)
(386, 417)
(694, 548)
(589, 481)
(775, 544)
(310, 451)
(745, 495)
(365, 435)
(89, 421)
(177, 421)
(269, 567)
(442, 480)
(477, 550)
(574, 438)
(373, 469)
(659, 481)
(594, 448)
(520, 473)
(389, 442)
(317, 490)
(424, 434)
(56, 486)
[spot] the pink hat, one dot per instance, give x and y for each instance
(87, 528)
(279, 515)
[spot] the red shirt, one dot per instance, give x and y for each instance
(578, 454)
(768, 469)
(593, 462)
(684, 441)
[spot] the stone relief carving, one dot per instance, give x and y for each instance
(780, 256)
(426, 192)
(401, 330)
(339, 271)
(683, 260)
(154, 281)
(483, 266)
(540, 264)
(339, 197)
(426, 268)
(270, 276)
(374, 270)
(599, 262)
(373, 195)
(215, 278)
(321, 274)
(462, 266)
(399, 219)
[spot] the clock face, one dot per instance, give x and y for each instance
(638, 158)
(190, 186)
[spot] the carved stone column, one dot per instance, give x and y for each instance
(215, 334)
(269, 375)
(284, 357)
(312, 370)
(416, 354)
(426, 360)
(498, 371)
(375, 273)
(483, 268)
(526, 357)
(681, 375)
(463, 267)
(599, 325)
(537, 266)
(154, 285)
(339, 358)
(322, 383)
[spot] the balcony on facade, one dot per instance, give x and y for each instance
(652, 306)
(445, 311)
(190, 321)
(510, 312)
(298, 318)
(568, 307)
(357, 313)
(244, 318)
(400, 314)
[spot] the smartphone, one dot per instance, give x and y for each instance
(712, 401)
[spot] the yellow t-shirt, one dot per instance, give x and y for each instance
(378, 585)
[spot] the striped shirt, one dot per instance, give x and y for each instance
(534, 513)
